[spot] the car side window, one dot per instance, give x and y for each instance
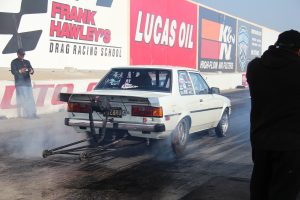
(185, 83)
(199, 83)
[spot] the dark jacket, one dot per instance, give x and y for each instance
(274, 82)
(21, 79)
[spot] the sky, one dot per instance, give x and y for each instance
(279, 15)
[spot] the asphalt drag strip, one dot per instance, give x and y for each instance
(128, 171)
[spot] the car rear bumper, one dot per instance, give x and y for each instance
(117, 125)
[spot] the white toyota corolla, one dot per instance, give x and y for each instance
(152, 102)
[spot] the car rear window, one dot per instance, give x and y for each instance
(137, 79)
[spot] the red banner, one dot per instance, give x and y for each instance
(163, 33)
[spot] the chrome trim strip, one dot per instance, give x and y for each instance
(203, 110)
(117, 125)
(172, 115)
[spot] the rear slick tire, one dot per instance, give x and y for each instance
(180, 136)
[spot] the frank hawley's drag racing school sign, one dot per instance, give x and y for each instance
(97, 32)
(78, 24)
(68, 33)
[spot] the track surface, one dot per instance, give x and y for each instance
(132, 173)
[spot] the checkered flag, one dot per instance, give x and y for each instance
(10, 22)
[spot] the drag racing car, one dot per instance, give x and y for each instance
(150, 102)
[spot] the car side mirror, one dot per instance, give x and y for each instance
(215, 90)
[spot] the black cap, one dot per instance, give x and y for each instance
(289, 39)
(21, 51)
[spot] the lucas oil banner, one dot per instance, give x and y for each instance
(249, 44)
(163, 32)
(217, 42)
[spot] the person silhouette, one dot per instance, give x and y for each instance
(22, 70)
(274, 86)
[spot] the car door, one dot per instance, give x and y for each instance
(186, 99)
(206, 108)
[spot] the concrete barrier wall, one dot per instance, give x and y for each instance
(46, 92)
(45, 95)
(171, 32)
(224, 81)
(58, 34)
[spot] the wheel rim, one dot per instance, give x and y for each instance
(182, 133)
(224, 122)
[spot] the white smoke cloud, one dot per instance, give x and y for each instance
(42, 134)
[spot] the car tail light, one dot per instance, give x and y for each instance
(78, 107)
(146, 111)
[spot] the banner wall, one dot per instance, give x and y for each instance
(163, 33)
(45, 95)
(249, 44)
(66, 33)
(217, 41)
